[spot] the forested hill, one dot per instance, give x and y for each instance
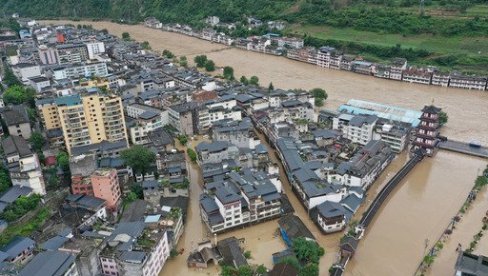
(387, 16)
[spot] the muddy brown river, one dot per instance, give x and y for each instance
(416, 212)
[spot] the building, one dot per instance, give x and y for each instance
(331, 217)
(185, 117)
(71, 53)
(238, 133)
(427, 131)
(239, 199)
(23, 164)
(48, 55)
(397, 66)
(292, 227)
(216, 151)
(94, 49)
(70, 71)
(17, 121)
(89, 119)
(440, 79)
(51, 263)
(133, 249)
(18, 250)
(39, 83)
(105, 185)
(471, 264)
(395, 135)
(468, 82)
(24, 71)
(417, 75)
(147, 119)
(357, 128)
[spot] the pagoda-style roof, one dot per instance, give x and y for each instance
(431, 109)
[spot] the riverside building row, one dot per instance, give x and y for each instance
(326, 57)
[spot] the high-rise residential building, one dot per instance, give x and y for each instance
(105, 185)
(85, 119)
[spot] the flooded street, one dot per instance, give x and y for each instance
(418, 210)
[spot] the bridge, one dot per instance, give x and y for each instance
(465, 148)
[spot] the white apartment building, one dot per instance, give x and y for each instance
(95, 48)
(77, 71)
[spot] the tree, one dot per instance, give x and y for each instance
(5, 181)
(254, 80)
(63, 160)
(245, 270)
(244, 80)
(229, 73)
(210, 65)
(307, 251)
(261, 270)
(183, 61)
(37, 141)
(200, 60)
(9, 77)
(309, 270)
(139, 158)
(270, 87)
(168, 54)
(319, 102)
(145, 45)
(319, 93)
(126, 36)
(443, 118)
(183, 139)
(18, 95)
(192, 154)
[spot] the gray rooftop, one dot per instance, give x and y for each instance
(52, 263)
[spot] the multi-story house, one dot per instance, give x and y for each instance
(357, 128)
(147, 119)
(91, 119)
(133, 249)
(323, 56)
(71, 53)
(239, 133)
(105, 185)
(417, 75)
(216, 151)
(238, 200)
(17, 121)
(331, 217)
(440, 79)
(468, 82)
(396, 135)
(18, 250)
(94, 48)
(365, 166)
(70, 71)
(23, 164)
(186, 117)
(398, 65)
(48, 55)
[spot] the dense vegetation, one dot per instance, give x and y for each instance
(391, 16)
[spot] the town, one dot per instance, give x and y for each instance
(107, 146)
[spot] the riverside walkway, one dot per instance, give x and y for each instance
(388, 188)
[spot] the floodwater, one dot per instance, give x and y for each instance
(470, 224)
(416, 212)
